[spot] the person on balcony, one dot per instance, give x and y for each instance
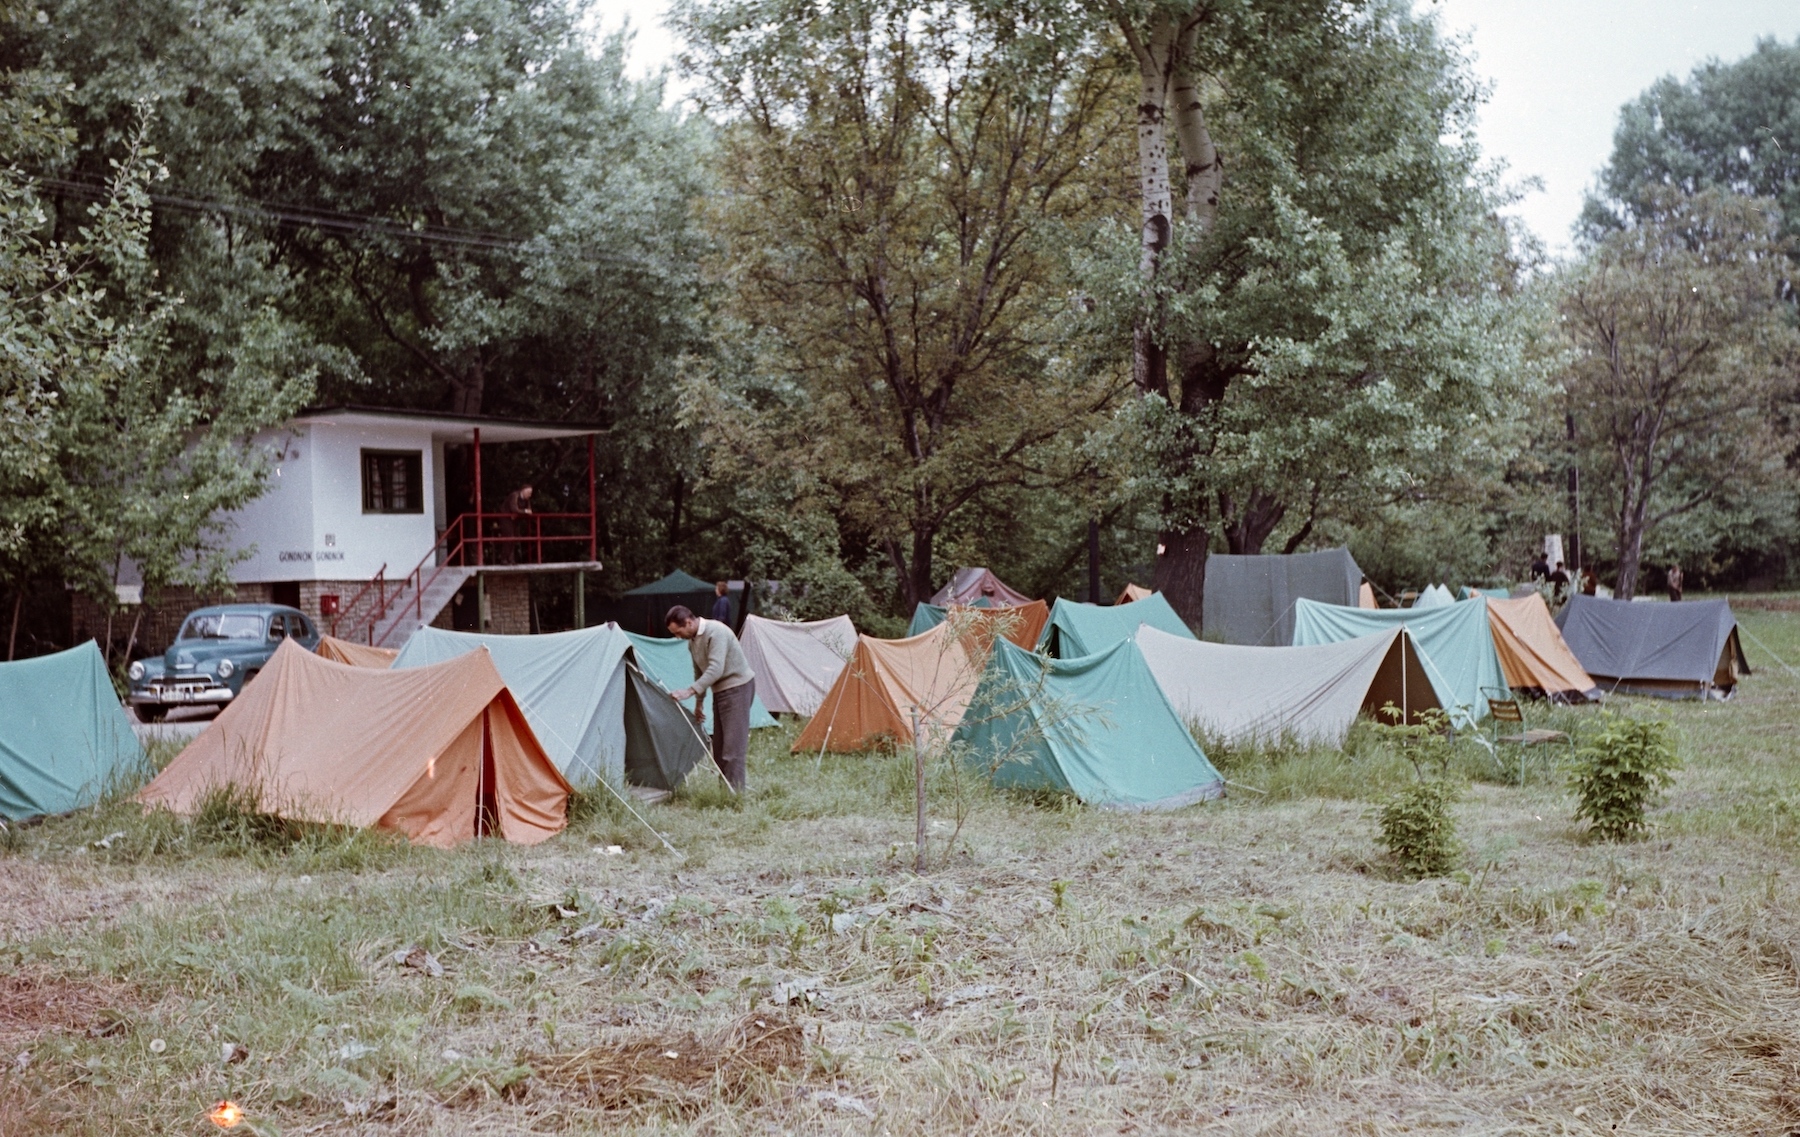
(517, 502)
(719, 666)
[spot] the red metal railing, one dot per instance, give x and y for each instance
(473, 540)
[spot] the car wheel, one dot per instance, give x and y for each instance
(151, 712)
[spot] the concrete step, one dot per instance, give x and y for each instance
(405, 616)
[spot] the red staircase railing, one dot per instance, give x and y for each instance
(472, 540)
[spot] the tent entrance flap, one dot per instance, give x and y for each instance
(1401, 681)
(662, 742)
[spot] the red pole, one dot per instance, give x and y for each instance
(593, 505)
(478, 525)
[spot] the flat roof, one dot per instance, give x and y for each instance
(447, 427)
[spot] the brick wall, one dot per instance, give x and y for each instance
(157, 620)
(509, 603)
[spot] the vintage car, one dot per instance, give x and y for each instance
(218, 650)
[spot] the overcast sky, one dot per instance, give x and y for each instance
(1560, 70)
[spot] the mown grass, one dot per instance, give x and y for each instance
(1242, 967)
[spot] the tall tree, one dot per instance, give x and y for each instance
(1331, 305)
(901, 185)
(1732, 126)
(1683, 352)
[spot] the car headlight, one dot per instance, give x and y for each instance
(226, 667)
(136, 671)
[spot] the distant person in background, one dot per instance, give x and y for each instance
(721, 609)
(1590, 584)
(719, 666)
(1540, 566)
(518, 501)
(1673, 581)
(1559, 582)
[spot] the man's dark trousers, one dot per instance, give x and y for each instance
(731, 730)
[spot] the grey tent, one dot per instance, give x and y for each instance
(1688, 650)
(1250, 600)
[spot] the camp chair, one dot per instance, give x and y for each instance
(1506, 710)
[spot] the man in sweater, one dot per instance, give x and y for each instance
(719, 666)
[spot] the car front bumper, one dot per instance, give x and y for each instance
(187, 695)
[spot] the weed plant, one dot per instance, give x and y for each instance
(1620, 774)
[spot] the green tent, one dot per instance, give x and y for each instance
(64, 738)
(642, 609)
(928, 616)
(1098, 727)
(595, 716)
(1083, 629)
(668, 663)
(1455, 642)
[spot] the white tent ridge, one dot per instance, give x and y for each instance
(796, 663)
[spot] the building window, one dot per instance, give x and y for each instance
(391, 481)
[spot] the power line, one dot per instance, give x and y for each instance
(325, 220)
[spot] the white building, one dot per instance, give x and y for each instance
(354, 528)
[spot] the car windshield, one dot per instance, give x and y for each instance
(223, 626)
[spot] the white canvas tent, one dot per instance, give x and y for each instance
(1255, 696)
(796, 663)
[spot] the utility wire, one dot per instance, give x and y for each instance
(324, 220)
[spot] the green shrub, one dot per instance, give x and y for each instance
(1416, 825)
(1418, 830)
(1619, 774)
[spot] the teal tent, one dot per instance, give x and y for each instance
(1098, 727)
(1083, 629)
(928, 616)
(669, 664)
(1455, 642)
(64, 738)
(595, 716)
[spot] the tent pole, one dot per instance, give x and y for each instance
(581, 598)
(918, 796)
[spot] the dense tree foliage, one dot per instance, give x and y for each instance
(109, 453)
(1329, 324)
(1729, 126)
(900, 186)
(1683, 357)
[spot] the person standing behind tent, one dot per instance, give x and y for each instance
(1590, 584)
(1559, 583)
(721, 609)
(1674, 581)
(1540, 566)
(719, 666)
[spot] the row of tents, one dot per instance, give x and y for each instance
(462, 734)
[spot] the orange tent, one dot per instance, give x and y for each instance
(441, 753)
(355, 654)
(1365, 596)
(1133, 592)
(1022, 623)
(873, 698)
(1531, 649)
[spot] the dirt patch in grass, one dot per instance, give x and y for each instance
(681, 1072)
(36, 1004)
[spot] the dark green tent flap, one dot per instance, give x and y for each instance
(662, 743)
(64, 738)
(1083, 629)
(1098, 727)
(1250, 600)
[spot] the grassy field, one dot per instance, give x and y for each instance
(1246, 967)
